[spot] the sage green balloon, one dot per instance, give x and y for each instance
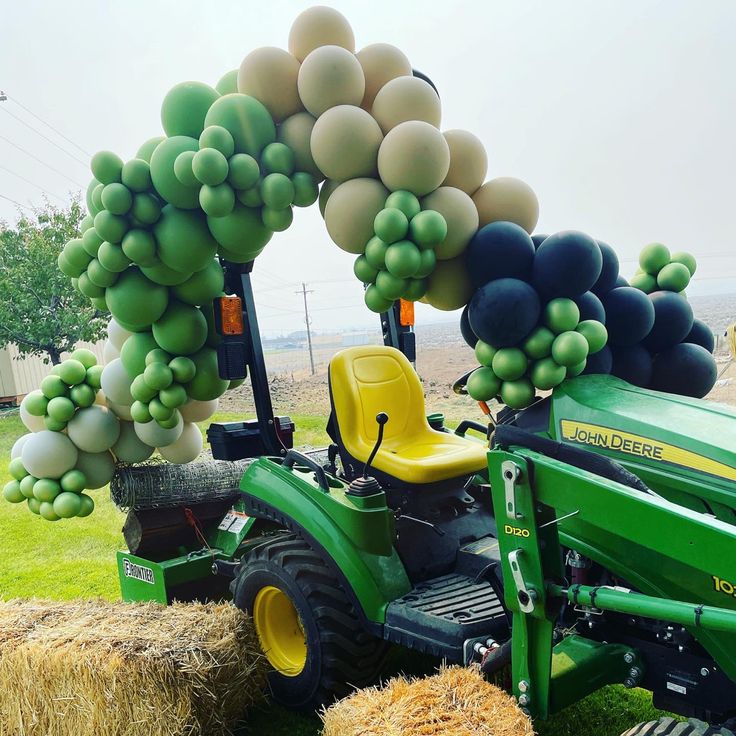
(241, 233)
(243, 172)
(644, 282)
(34, 506)
(82, 395)
(146, 208)
(687, 260)
(72, 372)
(215, 136)
(99, 275)
(375, 253)
(12, 492)
(391, 225)
(277, 220)
(595, 333)
(206, 384)
(134, 351)
(673, 277)
(54, 425)
(427, 263)
(73, 481)
(203, 286)
(428, 229)
(107, 167)
(140, 247)
(36, 402)
(217, 201)
(26, 485)
(416, 289)
(248, 121)
(251, 197)
(76, 255)
(136, 175)
(210, 166)
(183, 369)
(91, 241)
(141, 391)
(112, 257)
(97, 197)
(278, 158)
(374, 301)
(228, 83)
(47, 512)
(484, 354)
(16, 469)
(517, 394)
(67, 505)
(277, 191)
(185, 107)
(509, 364)
(539, 343)
(46, 489)
(404, 201)
(483, 384)
(53, 386)
(185, 244)
(88, 506)
(158, 376)
(183, 168)
(182, 330)
(157, 356)
(94, 375)
(306, 190)
(161, 274)
(117, 198)
(653, 258)
(66, 268)
(86, 357)
(146, 150)
(163, 176)
(139, 412)
(547, 373)
(159, 411)
(364, 271)
(403, 259)
(136, 300)
(390, 286)
(88, 221)
(110, 227)
(91, 208)
(172, 397)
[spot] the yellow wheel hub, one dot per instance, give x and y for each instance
(280, 631)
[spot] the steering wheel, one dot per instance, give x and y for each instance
(459, 387)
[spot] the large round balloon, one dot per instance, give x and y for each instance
(503, 312)
(632, 363)
(330, 76)
(136, 301)
(98, 468)
(466, 330)
(609, 270)
(500, 250)
(685, 369)
(116, 383)
(468, 161)
(94, 429)
(509, 199)
(673, 320)
(381, 63)
(203, 286)
(269, 74)
(32, 422)
(181, 330)
(319, 26)
(406, 98)
(567, 264)
(600, 362)
(184, 108)
(206, 384)
(130, 448)
(186, 448)
(460, 215)
(351, 210)
(163, 176)
(449, 285)
(153, 434)
(296, 133)
(701, 334)
(629, 315)
(116, 334)
(590, 307)
(185, 244)
(247, 120)
(48, 454)
(241, 234)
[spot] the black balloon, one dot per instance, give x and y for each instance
(702, 335)
(504, 312)
(538, 239)
(590, 307)
(567, 264)
(629, 315)
(620, 281)
(466, 330)
(609, 273)
(685, 369)
(632, 364)
(673, 320)
(600, 362)
(499, 250)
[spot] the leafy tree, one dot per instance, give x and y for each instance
(40, 311)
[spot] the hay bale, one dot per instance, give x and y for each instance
(92, 668)
(456, 702)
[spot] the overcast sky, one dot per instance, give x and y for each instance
(619, 113)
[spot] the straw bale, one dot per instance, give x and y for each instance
(455, 702)
(93, 668)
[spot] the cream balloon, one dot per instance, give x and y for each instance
(186, 448)
(460, 215)
(155, 435)
(325, 192)
(406, 98)
(94, 429)
(507, 199)
(130, 448)
(350, 212)
(98, 468)
(101, 399)
(269, 74)
(449, 285)
(413, 156)
(48, 454)
(116, 334)
(330, 76)
(31, 422)
(17, 448)
(381, 63)
(468, 161)
(119, 410)
(319, 26)
(296, 132)
(198, 411)
(345, 143)
(115, 383)
(110, 352)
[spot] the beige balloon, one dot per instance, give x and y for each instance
(406, 98)
(449, 285)
(350, 212)
(186, 448)
(345, 143)
(296, 132)
(330, 76)
(319, 26)
(461, 216)
(468, 161)
(508, 199)
(270, 75)
(413, 156)
(381, 63)
(325, 193)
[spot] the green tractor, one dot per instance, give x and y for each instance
(589, 539)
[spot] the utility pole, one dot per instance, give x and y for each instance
(304, 293)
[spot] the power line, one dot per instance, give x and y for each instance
(41, 161)
(22, 206)
(33, 184)
(45, 137)
(304, 293)
(56, 130)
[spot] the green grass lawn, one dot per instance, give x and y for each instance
(76, 558)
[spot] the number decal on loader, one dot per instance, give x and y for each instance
(723, 586)
(516, 531)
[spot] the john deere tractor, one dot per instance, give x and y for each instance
(589, 539)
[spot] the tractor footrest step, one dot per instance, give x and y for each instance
(439, 615)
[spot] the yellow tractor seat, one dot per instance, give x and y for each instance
(365, 381)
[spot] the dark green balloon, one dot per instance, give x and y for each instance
(100, 304)
(106, 167)
(146, 150)
(112, 258)
(415, 289)
(248, 121)
(160, 273)
(277, 191)
(244, 171)
(206, 384)
(241, 233)
(228, 83)
(134, 351)
(278, 158)
(428, 229)
(403, 259)
(117, 198)
(217, 201)
(173, 397)
(184, 241)
(140, 247)
(427, 262)
(251, 197)
(277, 220)
(146, 209)
(364, 271)
(389, 286)
(135, 300)
(404, 201)
(136, 175)
(183, 369)
(375, 253)
(306, 190)
(374, 301)
(203, 286)
(110, 227)
(182, 330)
(162, 172)
(184, 108)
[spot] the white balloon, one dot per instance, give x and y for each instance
(116, 334)
(48, 454)
(186, 448)
(198, 411)
(115, 383)
(109, 353)
(101, 399)
(152, 433)
(129, 448)
(98, 468)
(94, 429)
(34, 424)
(119, 410)
(18, 446)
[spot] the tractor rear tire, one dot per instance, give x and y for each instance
(671, 727)
(335, 654)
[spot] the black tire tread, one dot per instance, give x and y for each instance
(671, 727)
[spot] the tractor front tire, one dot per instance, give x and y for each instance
(317, 648)
(671, 727)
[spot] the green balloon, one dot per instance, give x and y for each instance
(277, 191)
(183, 169)
(576, 370)
(561, 315)
(206, 384)
(146, 150)
(248, 121)
(547, 374)
(66, 268)
(217, 201)
(134, 351)
(36, 403)
(228, 83)
(184, 241)
(73, 481)
(644, 282)
(235, 383)
(185, 107)
(364, 271)
(161, 274)
(26, 486)
(243, 171)
(483, 384)
(89, 289)
(16, 469)
(182, 330)
(112, 257)
(183, 369)
(404, 201)
(12, 493)
(391, 225)
(136, 175)
(139, 412)
(67, 505)
(595, 333)
(251, 197)
(209, 166)
(484, 354)
(61, 409)
(86, 223)
(99, 275)
(277, 220)
(510, 364)
(428, 261)
(54, 425)
(403, 259)
(306, 190)
(97, 198)
(157, 356)
(203, 286)
(99, 303)
(674, 277)
(88, 506)
(47, 512)
(517, 394)
(158, 376)
(141, 391)
(45, 489)
(140, 247)
(278, 158)
(117, 198)
(94, 375)
(428, 229)
(375, 253)
(416, 289)
(570, 348)
(82, 395)
(91, 208)
(136, 300)
(389, 286)
(687, 259)
(241, 233)
(159, 411)
(374, 301)
(215, 136)
(76, 255)
(171, 422)
(86, 357)
(653, 258)
(146, 209)
(539, 343)
(106, 167)
(53, 386)
(34, 506)
(164, 178)
(110, 227)
(91, 241)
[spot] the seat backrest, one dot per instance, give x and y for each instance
(370, 379)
